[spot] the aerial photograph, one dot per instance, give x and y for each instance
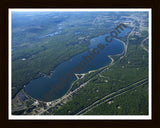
(79, 62)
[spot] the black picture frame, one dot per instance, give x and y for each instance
(153, 4)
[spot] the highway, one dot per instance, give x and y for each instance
(113, 95)
(143, 45)
(106, 98)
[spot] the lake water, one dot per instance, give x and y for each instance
(39, 88)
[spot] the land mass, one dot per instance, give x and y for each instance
(120, 88)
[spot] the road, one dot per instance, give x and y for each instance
(128, 40)
(110, 96)
(113, 95)
(68, 96)
(64, 98)
(143, 45)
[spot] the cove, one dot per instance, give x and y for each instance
(39, 88)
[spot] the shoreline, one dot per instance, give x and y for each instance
(124, 44)
(83, 74)
(68, 95)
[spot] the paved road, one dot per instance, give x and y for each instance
(113, 95)
(69, 95)
(128, 40)
(142, 45)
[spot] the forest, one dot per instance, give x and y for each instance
(33, 56)
(124, 72)
(42, 41)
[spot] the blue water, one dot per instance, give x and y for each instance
(42, 87)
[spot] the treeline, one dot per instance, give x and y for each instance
(126, 71)
(32, 59)
(134, 102)
(45, 61)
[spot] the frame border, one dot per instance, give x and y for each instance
(154, 4)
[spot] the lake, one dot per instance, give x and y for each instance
(40, 87)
